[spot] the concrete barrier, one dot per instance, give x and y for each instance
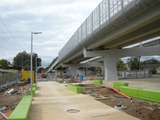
(22, 109)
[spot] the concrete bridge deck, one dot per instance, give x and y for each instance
(53, 102)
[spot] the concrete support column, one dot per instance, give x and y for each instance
(74, 71)
(110, 67)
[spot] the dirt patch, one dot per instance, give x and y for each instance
(138, 108)
(155, 114)
(8, 102)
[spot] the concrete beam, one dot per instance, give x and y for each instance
(95, 64)
(128, 52)
(111, 57)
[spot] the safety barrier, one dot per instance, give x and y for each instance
(144, 94)
(22, 109)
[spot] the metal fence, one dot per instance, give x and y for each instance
(134, 74)
(94, 22)
(8, 78)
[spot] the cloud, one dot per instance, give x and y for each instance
(57, 19)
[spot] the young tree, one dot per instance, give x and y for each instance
(121, 65)
(134, 63)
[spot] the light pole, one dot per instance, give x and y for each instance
(36, 69)
(31, 66)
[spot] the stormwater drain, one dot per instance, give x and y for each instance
(73, 110)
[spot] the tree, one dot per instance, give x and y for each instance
(121, 65)
(22, 61)
(134, 63)
(4, 64)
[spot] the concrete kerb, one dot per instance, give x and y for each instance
(22, 109)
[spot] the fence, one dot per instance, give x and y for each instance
(134, 74)
(8, 78)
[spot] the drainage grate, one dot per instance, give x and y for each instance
(73, 110)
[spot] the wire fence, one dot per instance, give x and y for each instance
(8, 78)
(134, 74)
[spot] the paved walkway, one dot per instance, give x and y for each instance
(53, 102)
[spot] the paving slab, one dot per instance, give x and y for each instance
(54, 101)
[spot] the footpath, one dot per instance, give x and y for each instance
(54, 102)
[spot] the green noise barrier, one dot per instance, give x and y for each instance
(144, 94)
(97, 82)
(22, 109)
(75, 88)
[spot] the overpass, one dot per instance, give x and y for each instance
(112, 26)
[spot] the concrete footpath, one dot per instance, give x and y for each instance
(55, 102)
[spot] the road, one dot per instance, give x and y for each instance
(55, 102)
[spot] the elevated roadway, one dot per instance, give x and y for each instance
(113, 25)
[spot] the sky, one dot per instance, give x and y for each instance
(56, 19)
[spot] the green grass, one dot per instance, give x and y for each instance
(35, 86)
(75, 88)
(119, 84)
(97, 82)
(144, 94)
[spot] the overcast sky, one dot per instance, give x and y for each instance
(57, 19)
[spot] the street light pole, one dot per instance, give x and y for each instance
(36, 69)
(31, 66)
